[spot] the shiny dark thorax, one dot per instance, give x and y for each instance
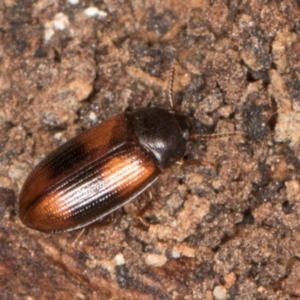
(163, 132)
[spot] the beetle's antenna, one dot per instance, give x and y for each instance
(170, 88)
(214, 135)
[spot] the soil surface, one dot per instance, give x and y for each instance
(222, 224)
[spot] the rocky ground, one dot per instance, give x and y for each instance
(224, 224)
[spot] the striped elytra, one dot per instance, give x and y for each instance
(102, 169)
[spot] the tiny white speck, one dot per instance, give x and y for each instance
(95, 12)
(93, 116)
(119, 259)
(58, 136)
(73, 2)
(220, 292)
(60, 21)
(102, 14)
(175, 254)
(91, 11)
(156, 260)
(49, 31)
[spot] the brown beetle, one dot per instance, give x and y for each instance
(103, 168)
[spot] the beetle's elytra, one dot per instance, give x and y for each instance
(102, 169)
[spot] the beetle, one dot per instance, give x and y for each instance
(103, 168)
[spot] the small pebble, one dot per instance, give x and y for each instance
(95, 12)
(155, 260)
(49, 31)
(119, 259)
(220, 292)
(73, 2)
(92, 117)
(60, 21)
(175, 254)
(58, 136)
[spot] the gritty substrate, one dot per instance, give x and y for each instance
(225, 223)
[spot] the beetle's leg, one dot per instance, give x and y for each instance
(141, 211)
(200, 162)
(78, 237)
